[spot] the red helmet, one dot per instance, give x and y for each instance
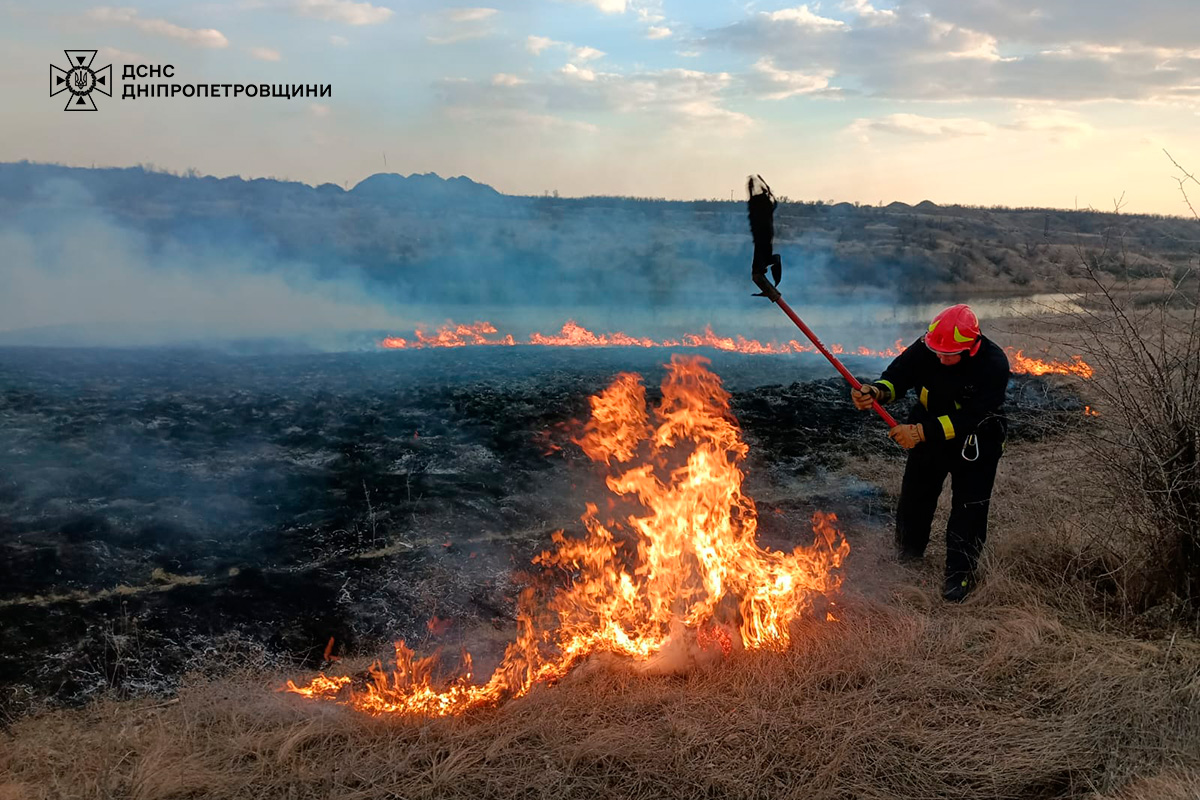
(955, 330)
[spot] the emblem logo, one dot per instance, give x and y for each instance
(80, 79)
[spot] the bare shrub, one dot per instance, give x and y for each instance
(1143, 338)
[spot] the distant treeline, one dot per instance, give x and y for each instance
(424, 238)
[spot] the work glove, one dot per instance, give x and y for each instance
(907, 436)
(865, 395)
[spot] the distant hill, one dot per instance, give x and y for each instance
(424, 237)
(390, 187)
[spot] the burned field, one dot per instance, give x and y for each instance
(165, 512)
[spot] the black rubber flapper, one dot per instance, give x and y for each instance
(761, 210)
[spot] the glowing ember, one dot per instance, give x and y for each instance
(575, 335)
(684, 574)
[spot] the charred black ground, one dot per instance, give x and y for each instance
(167, 511)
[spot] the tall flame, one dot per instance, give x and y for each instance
(573, 334)
(681, 571)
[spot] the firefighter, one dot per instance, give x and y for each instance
(957, 428)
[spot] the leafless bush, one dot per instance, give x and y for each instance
(1143, 338)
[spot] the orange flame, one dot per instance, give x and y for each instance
(450, 335)
(575, 335)
(1036, 366)
(685, 572)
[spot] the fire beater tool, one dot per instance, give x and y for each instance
(762, 229)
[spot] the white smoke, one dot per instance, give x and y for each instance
(69, 274)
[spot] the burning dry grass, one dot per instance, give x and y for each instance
(683, 578)
(572, 334)
(1029, 690)
(906, 697)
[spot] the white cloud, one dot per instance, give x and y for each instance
(540, 44)
(197, 37)
(460, 25)
(319, 109)
(913, 125)
(801, 17)
(586, 53)
(658, 32)
(536, 44)
(686, 95)
(339, 41)
(674, 97)
(1053, 125)
(504, 79)
(773, 83)
(121, 56)
(866, 11)
(607, 6)
(1114, 53)
(1168, 23)
(914, 55)
(470, 14)
(650, 12)
(968, 43)
(265, 54)
(345, 11)
(1061, 127)
(576, 73)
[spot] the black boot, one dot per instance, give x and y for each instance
(958, 586)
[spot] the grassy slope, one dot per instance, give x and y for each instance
(1026, 691)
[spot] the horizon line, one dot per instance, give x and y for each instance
(192, 174)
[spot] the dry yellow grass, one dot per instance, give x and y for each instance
(1004, 697)
(1025, 691)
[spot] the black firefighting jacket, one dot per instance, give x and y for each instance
(953, 399)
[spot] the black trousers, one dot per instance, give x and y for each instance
(971, 495)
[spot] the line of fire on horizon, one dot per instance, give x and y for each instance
(572, 334)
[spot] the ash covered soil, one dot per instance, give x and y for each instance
(163, 512)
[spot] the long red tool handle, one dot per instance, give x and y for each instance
(776, 298)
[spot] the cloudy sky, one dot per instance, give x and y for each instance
(1058, 103)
